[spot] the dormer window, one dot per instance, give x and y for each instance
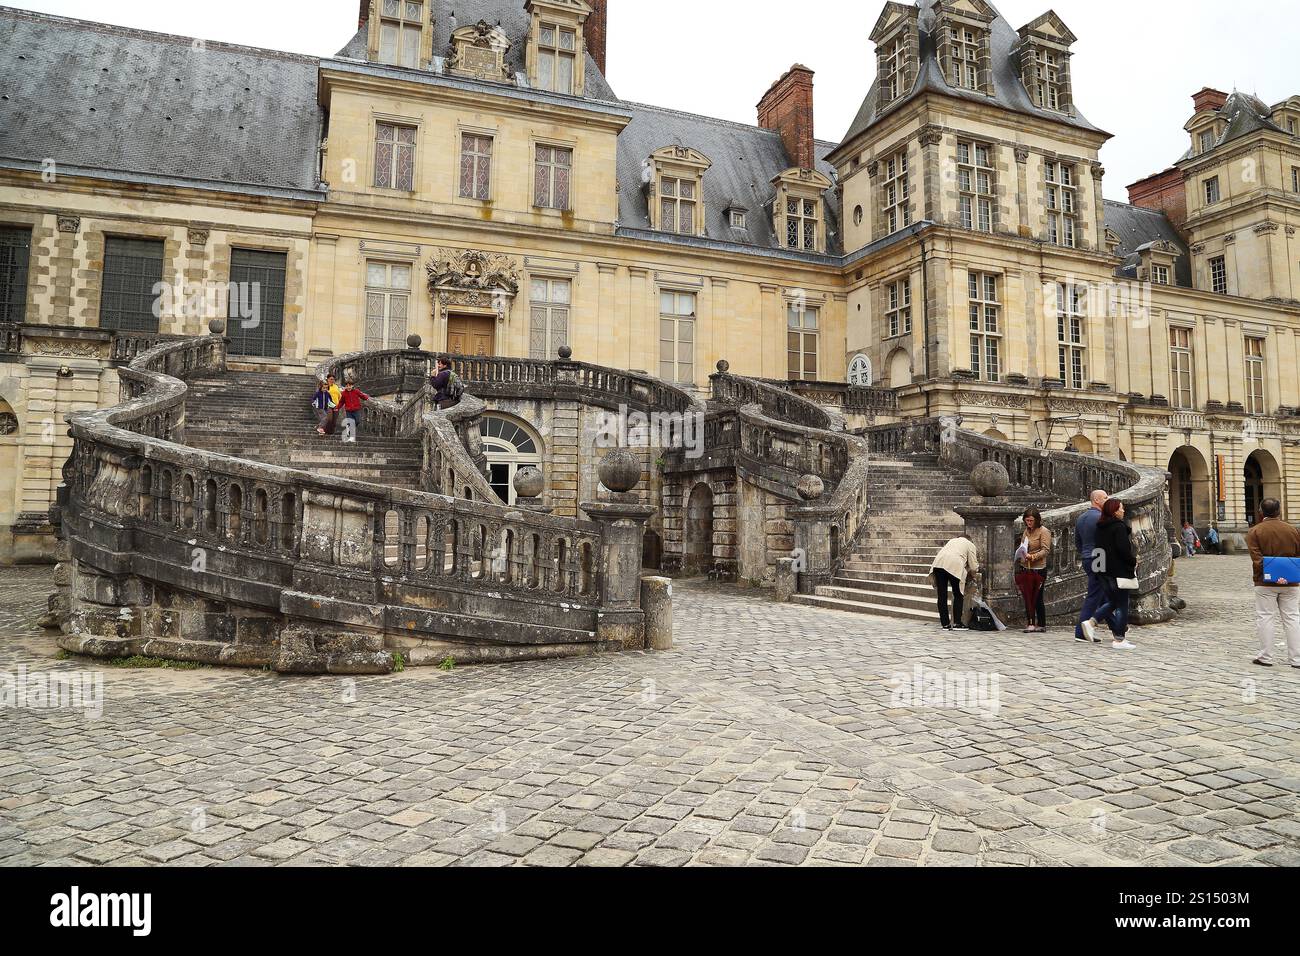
(401, 27)
(479, 51)
(897, 40)
(964, 57)
(676, 200)
(799, 214)
(556, 55)
(1043, 53)
(1207, 141)
(556, 51)
(737, 217)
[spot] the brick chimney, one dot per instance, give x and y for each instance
(787, 107)
(364, 17)
(1164, 193)
(594, 31)
(1209, 99)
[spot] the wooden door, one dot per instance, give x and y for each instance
(471, 335)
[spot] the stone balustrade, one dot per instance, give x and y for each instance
(183, 553)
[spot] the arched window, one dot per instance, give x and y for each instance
(509, 445)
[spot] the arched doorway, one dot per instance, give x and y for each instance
(509, 445)
(900, 369)
(1189, 487)
(699, 529)
(1263, 479)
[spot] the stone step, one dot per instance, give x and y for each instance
(859, 607)
(913, 585)
(909, 602)
(887, 566)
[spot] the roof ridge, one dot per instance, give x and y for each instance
(138, 33)
(753, 127)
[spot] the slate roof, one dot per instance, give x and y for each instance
(110, 99)
(514, 21)
(1008, 91)
(1136, 227)
(745, 161)
(1246, 114)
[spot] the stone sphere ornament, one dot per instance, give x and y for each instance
(413, 342)
(217, 326)
(620, 471)
(529, 482)
(566, 353)
(724, 366)
(990, 479)
(810, 487)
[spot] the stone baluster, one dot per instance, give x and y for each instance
(622, 519)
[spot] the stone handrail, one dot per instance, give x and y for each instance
(854, 399)
(1059, 476)
(594, 384)
(137, 502)
(776, 403)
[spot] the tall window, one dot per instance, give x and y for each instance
(895, 193)
(1062, 204)
(965, 57)
(1180, 368)
(1048, 85)
(257, 278)
(388, 305)
(475, 166)
(551, 174)
(132, 270)
(1212, 190)
(1255, 376)
(898, 311)
(677, 205)
(1219, 275)
(891, 71)
(394, 157)
(1207, 141)
(677, 337)
(1071, 339)
(801, 339)
(801, 224)
(1295, 179)
(15, 253)
(399, 32)
(557, 52)
(550, 301)
(985, 327)
(975, 185)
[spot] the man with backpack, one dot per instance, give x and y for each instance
(448, 389)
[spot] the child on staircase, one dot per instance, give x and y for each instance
(350, 403)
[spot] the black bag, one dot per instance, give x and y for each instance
(982, 619)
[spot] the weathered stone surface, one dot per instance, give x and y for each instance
(657, 604)
(990, 479)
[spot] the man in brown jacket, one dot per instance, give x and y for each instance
(1274, 538)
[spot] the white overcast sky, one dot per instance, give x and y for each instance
(1136, 64)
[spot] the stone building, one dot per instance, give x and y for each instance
(464, 172)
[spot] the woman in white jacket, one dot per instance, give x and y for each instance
(957, 563)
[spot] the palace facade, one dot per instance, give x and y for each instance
(465, 173)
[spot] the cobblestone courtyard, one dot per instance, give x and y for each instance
(772, 734)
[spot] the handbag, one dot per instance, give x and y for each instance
(1128, 584)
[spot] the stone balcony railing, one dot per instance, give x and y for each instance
(178, 552)
(996, 526)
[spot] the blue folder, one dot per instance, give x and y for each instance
(1282, 569)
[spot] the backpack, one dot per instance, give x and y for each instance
(983, 619)
(455, 387)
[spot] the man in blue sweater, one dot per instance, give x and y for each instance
(1085, 540)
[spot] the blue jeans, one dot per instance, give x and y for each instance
(1095, 598)
(1115, 608)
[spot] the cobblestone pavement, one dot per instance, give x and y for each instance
(773, 734)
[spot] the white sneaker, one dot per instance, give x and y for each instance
(1125, 645)
(1090, 628)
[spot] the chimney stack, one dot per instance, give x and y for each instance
(1210, 99)
(364, 17)
(787, 107)
(594, 31)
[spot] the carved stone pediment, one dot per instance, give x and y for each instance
(479, 51)
(476, 279)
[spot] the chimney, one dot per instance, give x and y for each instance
(1163, 192)
(787, 107)
(1209, 99)
(364, 17)
(594, 31)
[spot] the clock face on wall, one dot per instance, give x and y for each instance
(860, 371)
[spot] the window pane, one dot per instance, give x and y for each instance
(377, 274)
(565, 84)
